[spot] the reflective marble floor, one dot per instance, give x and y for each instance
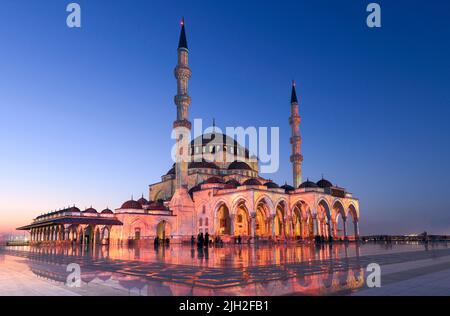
(294, 269)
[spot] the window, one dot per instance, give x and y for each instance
(137, 233)
(206, 221)
(200, 222)
(204, 209)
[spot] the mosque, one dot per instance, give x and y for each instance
(218, 190)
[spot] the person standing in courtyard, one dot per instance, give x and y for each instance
(207, 240)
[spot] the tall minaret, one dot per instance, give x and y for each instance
(296, 139)
(182, 126)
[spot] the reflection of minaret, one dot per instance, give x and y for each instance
(296, 139)
(182, 126)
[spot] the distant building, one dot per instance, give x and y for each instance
(222, 197)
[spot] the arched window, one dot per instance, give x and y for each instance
(137, 233)
(200, 222)
(206, 221)
(204, 209)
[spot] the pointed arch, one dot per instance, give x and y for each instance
(222, 219)
(241, 219)
(325, 222)
(263, 211)
(339, 220)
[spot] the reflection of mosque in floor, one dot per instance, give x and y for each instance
(224, 197)
(49, 263)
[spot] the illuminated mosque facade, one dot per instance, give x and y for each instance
(218, 191)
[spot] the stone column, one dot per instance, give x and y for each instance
(330, 228)
(232, 224)
(272, 222)
(344, 220)
(355, 223)
(252, 225)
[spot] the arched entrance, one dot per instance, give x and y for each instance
(88, 234)
(297, 221)
(223, 222)
(241, 221)
(339, 231)
(326, 223)
(163, 230)
(261, 229)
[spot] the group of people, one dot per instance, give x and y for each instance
(320, 239)
(205, 241)
(159, 241)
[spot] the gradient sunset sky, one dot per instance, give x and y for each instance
(86, 114)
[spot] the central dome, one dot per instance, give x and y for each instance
(217, 139)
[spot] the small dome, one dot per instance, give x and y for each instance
(107, 211)
(90, 211)
(143, 201)
(73, 209)
(287, 187)
(271, 185)
(202, 164)
(252, 181)
(233, 182)
(324, 184)
(213, 180)
(239, 165)
(131, 204)
(171, 171)
(308, 184)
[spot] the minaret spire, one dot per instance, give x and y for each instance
(183, 41)
(296, 139)
(182, 126)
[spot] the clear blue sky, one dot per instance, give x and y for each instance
(86, 114)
